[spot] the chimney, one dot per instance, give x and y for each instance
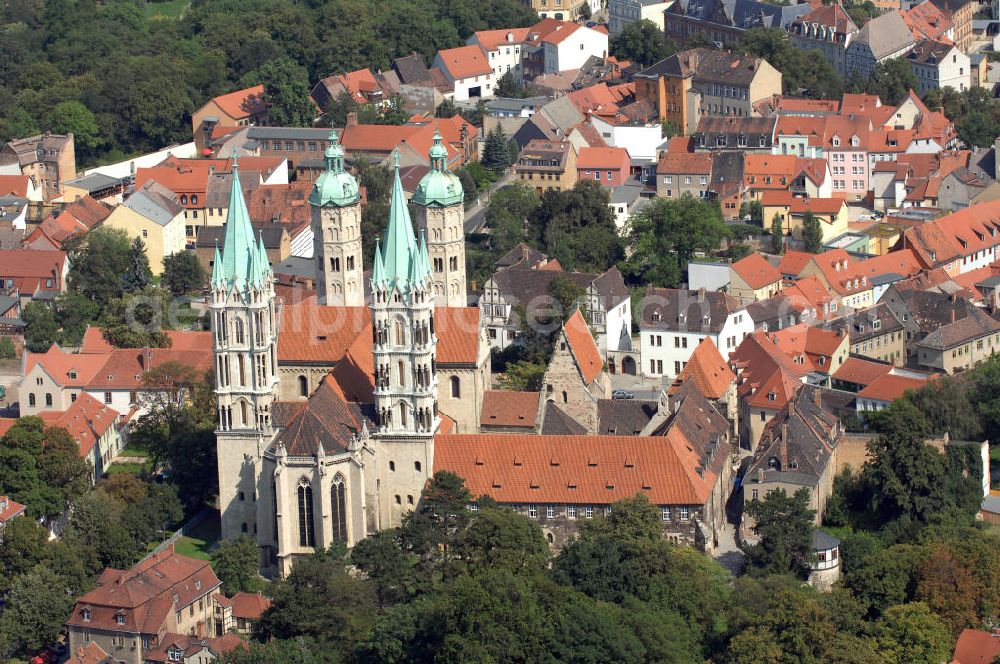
(604, 57)
(760, 475)
(701, 294)
(783, 450)
(952, 315)
(352, 119)
(817, 397)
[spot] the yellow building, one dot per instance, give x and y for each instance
(547, 166)
(831, 212)
(753, 279)
(152, 213)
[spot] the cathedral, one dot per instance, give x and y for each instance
(330, 436)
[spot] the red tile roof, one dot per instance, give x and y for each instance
(602, 158)
(756, 271)
(793, 262)
(582, 345)
(94, 342)
(817, 205)
(860, 371)
(14, 185)
(91, 653)
(311, 333)
(9, 509)
(250, 605)
(810, 105)
(808, 345)
(959, 234)
(491, 40)
(709, 371)
(29, 265)
(86, 420)
(146, 594)
(763, 372)
(889, 387)
(385, 138)
(125, 367)
(87, 211)
(6, 423)
(504, 408)
(551, 31)
(242, 103)
(594, 470)
(976, 647)
(674, 162)
(66, 369)
(466, 61)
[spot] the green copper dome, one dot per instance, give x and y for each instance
(440, 187)
(334, 186)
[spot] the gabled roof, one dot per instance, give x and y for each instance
(503, 408)
(793, 262)
(889, 387)
(66, 369)
(594, 470)
(707, 370)
(756, 271)
(9, 509)
(684, 310)
(624, 417)
(809, 346)
(249, 606)
(884, 35)
(766, 378)
(491, 40)
(557, 422)
(976, 647)
(583, 347)
(599, 157)
(86, 420)
(861, 371)
(974, 325)
(466, 61)
(327, 425)
(830, 16)
(14, 185)
(243, 103)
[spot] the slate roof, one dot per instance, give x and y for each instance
(734, 128)
(555, 422)
(797, 443)
(328, 421)
(860, 325)
(974, 325)
(522, 285)
(154, 202)
(521, 253)
(930, 310)
(884, 35)
(624, 417)
(686, 310)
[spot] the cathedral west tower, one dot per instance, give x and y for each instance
(244, 343)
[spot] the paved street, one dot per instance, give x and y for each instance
(475, 216)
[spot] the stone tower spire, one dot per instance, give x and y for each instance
(244, 341)
(336, 227)
(403, 350)
(441, 212)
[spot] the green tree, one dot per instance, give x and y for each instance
(667, 233)
(183, 273)
(755, 211)
(500, 538)
(804, 72)
(7, 349)
(912, 633)
(508, 86)
(75, 118)
(40, 327)
(235, 563)
(290, 651)
(812, 233)
(99, 263)
(392, 570)
(522, 376)
(286, 92)
(34, 609)
(642, 43)
(777, 235)
(336, 111)
(138, 276)
(891, 80)
(74, 312)
(96, 521)
(577, 228)
(496, 156)
(783, 525)
(566, 294)
(446, 109)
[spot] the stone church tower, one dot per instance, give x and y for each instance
(441, 213)
(244, 341)
(336, 227)
(404, 346)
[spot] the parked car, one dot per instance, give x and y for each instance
(622, 394)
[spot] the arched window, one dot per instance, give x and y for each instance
(401, 367)
(239, 331)
(398, 333)
(416, 466)
(31, 399)
(550, 538)
(338, 503)
(303, 386)
(243, 371)
(402, 415)
(48, 399)
(244, 413)
(456, 387)
(307, 531)
(565, 397)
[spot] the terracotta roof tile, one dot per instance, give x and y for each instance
(91, 653)
(9, 509)
(793, 262)
(86, 420)
(708, 370)
(67, 369)
(594, 470)
(242, 103)
(582, 345)
(491, 40)
(94, 342)
(250, 605)
(861, 371)
(889, 387)
(509, 409)
(756, 271)
(975, 647)
(466, 61)
(597, 157)
(14, 185)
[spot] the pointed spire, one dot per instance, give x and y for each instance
(238, 245)
(438, 153)
(334, 154)
(264, 263)
(400, 243)
(378, 267)
(424, 257)
(217, 280)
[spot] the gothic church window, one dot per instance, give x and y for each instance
(456, 387)
(239, 331)
(307, 532)
(303, 386)
(398, 333)
(338, 502)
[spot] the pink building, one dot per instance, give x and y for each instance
(609, 166)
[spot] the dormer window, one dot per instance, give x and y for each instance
(855, 141)
(655, 317)
(772, 396)
(120, 619)
(836, 141)
(197, 585)
(175, 654)
(86, 615)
